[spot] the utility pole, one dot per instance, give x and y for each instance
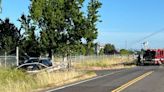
(5, 59)
(145, 45)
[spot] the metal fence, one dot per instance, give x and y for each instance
(82, 58)
(96, 57)
(70, 61)
(9, 60)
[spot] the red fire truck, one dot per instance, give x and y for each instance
(153, 56)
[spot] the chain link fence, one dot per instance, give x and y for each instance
(82, 58)
(7, 60)
(112, 59)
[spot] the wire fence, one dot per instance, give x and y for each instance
(8, 61)
(12, 60)
(82, 58)
(109, 59)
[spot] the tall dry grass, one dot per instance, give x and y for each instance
(12, 80)
(60, 78)
(17, 81)
(104, 61)
(56, 78)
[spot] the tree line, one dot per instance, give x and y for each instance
(110, 49)
(53, 27)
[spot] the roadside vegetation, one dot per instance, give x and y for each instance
(107, 62)
(18, 81)
(13, 80)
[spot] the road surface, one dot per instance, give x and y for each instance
(137, 79)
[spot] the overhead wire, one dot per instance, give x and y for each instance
(148, 36)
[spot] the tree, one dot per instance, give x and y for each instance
(9, 36)
(61, 23)
(92, 19)
(29, 43)
(109, 49)
(101, 51)
(49, 16)
(126, 52)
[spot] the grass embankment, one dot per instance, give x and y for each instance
(18, 81)
(112, 62)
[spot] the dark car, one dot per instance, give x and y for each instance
(46, 62)
(30, 60)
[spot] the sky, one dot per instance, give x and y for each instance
(124, 22)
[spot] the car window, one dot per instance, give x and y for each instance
(32, 60)
(46, 62)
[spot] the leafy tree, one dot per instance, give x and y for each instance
(101, 51)
(92, 19)
(61, 22)
(49, 16)
(9, 36)
(126, 52)
(83, 50)
(70, 41)
(109, 49)
(29, 43)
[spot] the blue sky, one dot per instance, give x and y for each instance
(123, 21)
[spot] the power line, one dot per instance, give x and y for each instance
(148, 36)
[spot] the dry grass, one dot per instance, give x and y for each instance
(61, 78)
(17, 81)
(105, 62)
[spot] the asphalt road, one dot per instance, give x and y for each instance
(138, 79)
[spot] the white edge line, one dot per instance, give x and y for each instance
(82, 81)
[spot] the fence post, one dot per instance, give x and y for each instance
(52, 57)
(5, 58)
(17, 56)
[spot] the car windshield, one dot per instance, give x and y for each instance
(45, 61)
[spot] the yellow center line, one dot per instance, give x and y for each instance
(131, 82)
